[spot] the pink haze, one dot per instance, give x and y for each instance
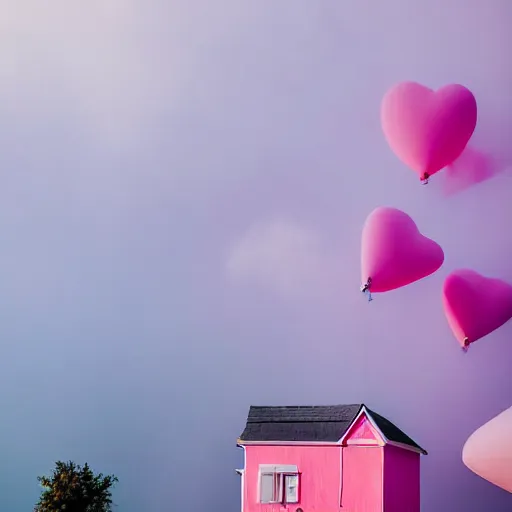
(472, 167)
(428, 129)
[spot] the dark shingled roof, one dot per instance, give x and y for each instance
(320, 423)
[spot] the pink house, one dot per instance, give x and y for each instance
(341, 458)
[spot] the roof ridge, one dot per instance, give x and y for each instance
(303, 406)
(320, 420)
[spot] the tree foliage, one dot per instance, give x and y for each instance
(72, 488)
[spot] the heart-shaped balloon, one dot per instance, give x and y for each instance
(475, 305)
(394, 253)
(428, 129)
(488, 451)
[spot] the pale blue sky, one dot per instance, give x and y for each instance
(183, 189)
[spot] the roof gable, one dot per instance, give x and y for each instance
(363, 432)
(315, 424)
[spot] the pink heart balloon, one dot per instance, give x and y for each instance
(475, 305)
(394, 252)
(488, 451)
(428, 129)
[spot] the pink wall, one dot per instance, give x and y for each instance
(401, 480)
(319, 481)
(362, 468)
(362, 479)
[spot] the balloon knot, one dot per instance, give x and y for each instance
(424, 178)
(466, 344)
(365, 288)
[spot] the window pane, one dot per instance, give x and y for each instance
(266, 488)
(292, 488)
(278, 488)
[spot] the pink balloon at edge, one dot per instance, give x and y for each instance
(488, 451)
(394, 253)
(427, 129)
(475, 305)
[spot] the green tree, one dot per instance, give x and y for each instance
(72, 488)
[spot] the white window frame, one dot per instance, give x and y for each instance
(280, 475)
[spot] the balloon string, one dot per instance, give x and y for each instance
(365, 288)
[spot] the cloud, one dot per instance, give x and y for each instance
(471, 168)
(280, 255)
(93, 62)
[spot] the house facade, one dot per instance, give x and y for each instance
(343, 458)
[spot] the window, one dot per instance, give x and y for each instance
(270, 488)
(279, 484)
(291, 483)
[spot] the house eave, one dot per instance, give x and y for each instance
(324, 443)
(421, 451)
